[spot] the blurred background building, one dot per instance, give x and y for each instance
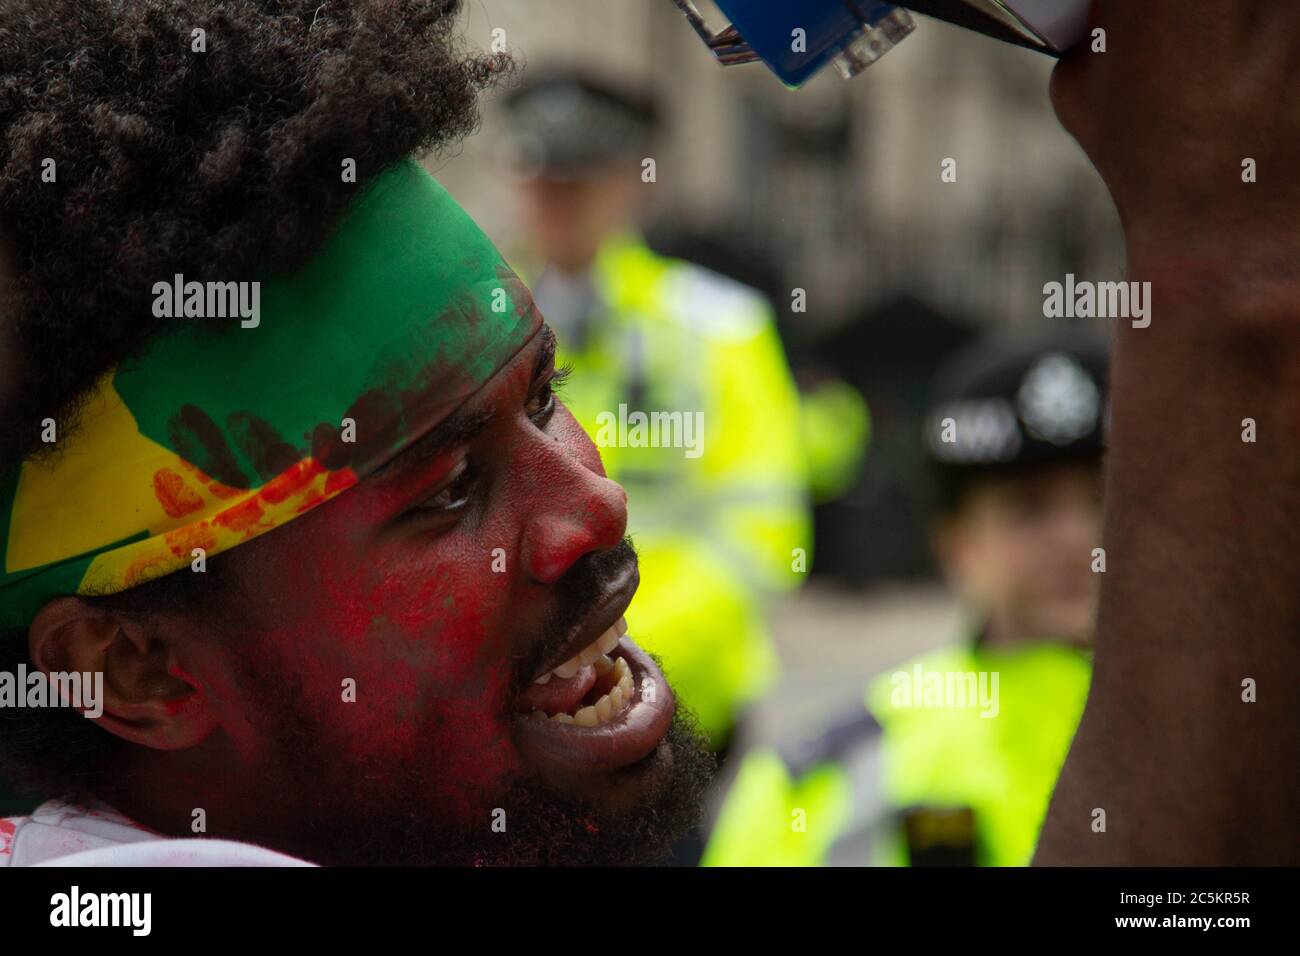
(836, 190)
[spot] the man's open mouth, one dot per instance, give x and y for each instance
(589, 689)
(605, 707)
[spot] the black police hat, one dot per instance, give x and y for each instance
(565, 123)
(1013, 402)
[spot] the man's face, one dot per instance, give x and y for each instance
(570, 219)
(1019, 550)
(374, 681)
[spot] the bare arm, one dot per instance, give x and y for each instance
(1202, 589)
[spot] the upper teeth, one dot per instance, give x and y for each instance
(609, 706)
(602, 645)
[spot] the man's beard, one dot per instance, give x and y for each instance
(528, 824)
(374, 814)
(541, 826)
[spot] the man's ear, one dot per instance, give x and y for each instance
(145, 700)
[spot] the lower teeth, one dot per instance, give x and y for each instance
(608, 706)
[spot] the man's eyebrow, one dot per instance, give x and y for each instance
(460, 427)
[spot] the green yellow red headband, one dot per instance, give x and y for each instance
(220, 432)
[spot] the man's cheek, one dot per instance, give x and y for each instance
(410, 719)
(451, 609)
(446, 685)
(474, 755)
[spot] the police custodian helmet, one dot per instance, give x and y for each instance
(565, 123)
(1008, 404)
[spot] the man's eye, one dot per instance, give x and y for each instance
(455, 494)
(541, 406)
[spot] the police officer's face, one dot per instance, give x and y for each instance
(570, 219)
(1020, 551)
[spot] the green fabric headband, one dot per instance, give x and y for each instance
(222, 432)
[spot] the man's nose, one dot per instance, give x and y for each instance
(582, 512)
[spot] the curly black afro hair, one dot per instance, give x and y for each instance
(169, 160)
(166, 160)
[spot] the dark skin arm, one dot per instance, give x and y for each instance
(1202, 532)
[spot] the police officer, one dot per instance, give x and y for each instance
(954, 760)
(718, 490)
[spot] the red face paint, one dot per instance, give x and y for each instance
(404, 606)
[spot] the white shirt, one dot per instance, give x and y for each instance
(66, 834)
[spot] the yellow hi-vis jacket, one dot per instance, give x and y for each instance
(951, 771)
(681, 380)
